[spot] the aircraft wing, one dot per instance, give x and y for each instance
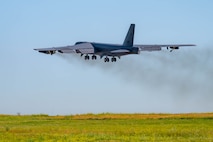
(83, 48)
(158, 47)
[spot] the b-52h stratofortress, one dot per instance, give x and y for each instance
(109, 50)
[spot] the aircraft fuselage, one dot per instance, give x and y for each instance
(114, 49)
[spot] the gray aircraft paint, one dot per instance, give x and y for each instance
(113, 50)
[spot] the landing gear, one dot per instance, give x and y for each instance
(86, 57)
(113, 59)
(106, 59)
(94, 57)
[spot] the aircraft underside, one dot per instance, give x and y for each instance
(107, 57)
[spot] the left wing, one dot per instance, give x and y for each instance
(158, 47)
(83, 48)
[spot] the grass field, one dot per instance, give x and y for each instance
(107, 127)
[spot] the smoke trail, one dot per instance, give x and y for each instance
(184, 74)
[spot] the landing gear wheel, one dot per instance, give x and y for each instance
(86, 57)
(113, 59)
(94, 57)
(106, 59)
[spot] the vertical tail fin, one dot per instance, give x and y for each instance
(130, 36)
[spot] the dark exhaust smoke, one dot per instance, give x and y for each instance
(183, 74)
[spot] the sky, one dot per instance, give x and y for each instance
(152, 82)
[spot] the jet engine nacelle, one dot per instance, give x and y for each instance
(174, 47)
(48, 52)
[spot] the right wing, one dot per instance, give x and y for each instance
(83, 48)
(158, 47)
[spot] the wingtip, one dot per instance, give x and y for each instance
(191, 45)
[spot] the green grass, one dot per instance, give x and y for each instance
(107, 127)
